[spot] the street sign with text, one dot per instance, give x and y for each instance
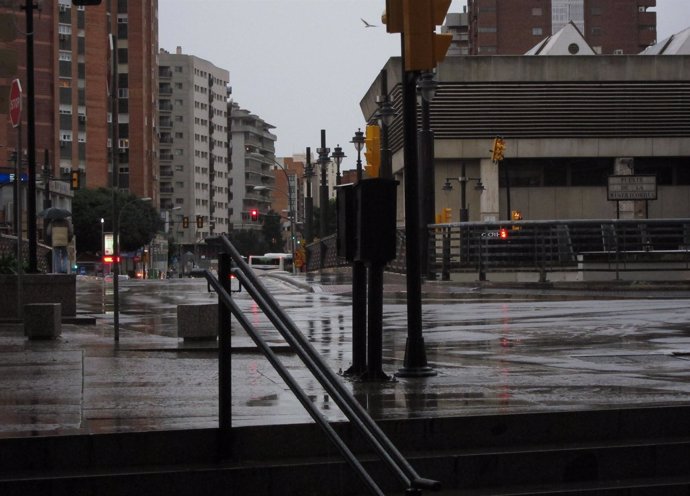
(636, 187)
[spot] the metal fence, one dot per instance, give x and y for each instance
(549, 246)
(615, 246)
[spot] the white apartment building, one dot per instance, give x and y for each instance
(253, 162)
(194, 146)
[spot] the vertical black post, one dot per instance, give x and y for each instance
(323, 200)
(427, 189)
(308, 200)
(46, 179)
(415, 364)
(359, 304)
(31, 134)
(115, 184)
(386, 165)
(506, 175)
(224, 358)
(375, 327)
(445, 270)
(464, 212)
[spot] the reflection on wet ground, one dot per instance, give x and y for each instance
(491, 355)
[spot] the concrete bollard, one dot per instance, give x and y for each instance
(42, 320)
(197, 321)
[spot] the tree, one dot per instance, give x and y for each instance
(332, 219)
(139, 222)
(272, 233)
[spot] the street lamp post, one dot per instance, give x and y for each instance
(359, 290)
(337, 157)
(292, 210)
(426, 89)
(463, 180)
(116, 265)
(308, 200)
(323, 198)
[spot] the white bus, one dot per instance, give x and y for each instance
(271, 261)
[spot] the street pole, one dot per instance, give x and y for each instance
(31, 134)
(359, 291)
(308, 201)
(323, 199)
(115, 185)
(426, 87)
(464, 212)
(415, 363)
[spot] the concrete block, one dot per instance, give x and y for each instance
(42, 320)
(197, 321)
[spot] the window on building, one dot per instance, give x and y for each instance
(537, 11)
(537, 32)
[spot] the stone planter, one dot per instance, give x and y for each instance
(38, 288)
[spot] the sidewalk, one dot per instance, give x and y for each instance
(494, 350)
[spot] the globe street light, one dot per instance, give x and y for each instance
(358, 142)
(116, 267)
(337, 157)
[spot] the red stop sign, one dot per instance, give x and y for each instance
(15, 102)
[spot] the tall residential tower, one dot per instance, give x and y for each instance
(194, 146)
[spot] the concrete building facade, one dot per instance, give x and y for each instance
(72, 106)
(568, 123)
(194, 146)
(512, 27)
(253, 160)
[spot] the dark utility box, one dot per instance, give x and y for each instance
(376, 206)
(346, 212)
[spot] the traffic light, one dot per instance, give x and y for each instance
(447, 215)
(372, 141)
(498, 149)
(199, 221)
(75, 179)
(503, 233)
(185, 222)
(254, 215)
(417, 20)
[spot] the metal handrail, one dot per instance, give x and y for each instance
(317, 366)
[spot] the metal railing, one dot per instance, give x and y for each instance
(573, 245)
(605, 245)
(231, 262)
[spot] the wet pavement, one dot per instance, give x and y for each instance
(495, 350)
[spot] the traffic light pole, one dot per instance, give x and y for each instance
(31, 135)
(415, 363)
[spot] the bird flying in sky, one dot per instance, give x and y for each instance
(367, 25)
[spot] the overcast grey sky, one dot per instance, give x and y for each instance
(304, 65)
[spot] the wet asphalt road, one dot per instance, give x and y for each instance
(494, 352)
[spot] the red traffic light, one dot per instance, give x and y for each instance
(254, 214)
(503, 233)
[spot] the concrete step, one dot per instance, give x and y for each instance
(605, 452)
